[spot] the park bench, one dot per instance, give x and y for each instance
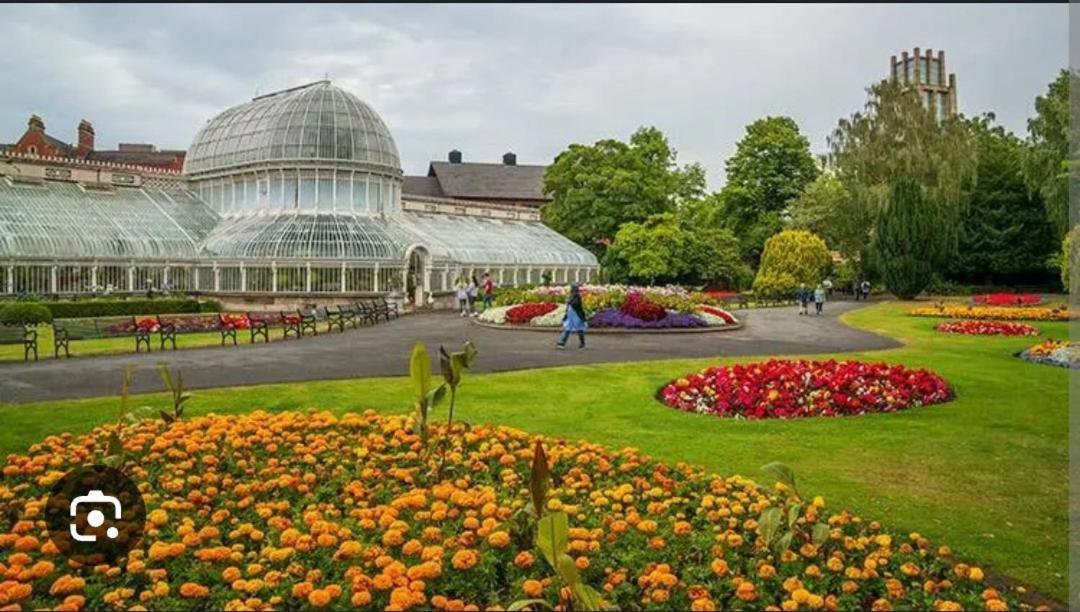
(333, 318)
(385, 308)
(738, 301)
(348, 314)
(292, 322)
(66, 330)
(366, 312)
(20, 334)
(260, 324)
(170, 325)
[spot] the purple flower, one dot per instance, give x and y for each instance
(611, 317)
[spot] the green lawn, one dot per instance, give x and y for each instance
(986, 473)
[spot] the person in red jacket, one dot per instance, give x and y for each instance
(489, 290)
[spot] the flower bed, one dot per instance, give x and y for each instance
(523, 313)
(1006, 299)
(614, 307)
(986, 328)
(791, 389)
(302, 511)
(1058, 313)
(1054, 352)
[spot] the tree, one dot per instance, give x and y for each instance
(1005, 236)
(773, 162)
(791, 258)
(771, 166)
(828, 209)
(648, 251)
(909, 240)
(667, 248)
(597, 188)
(896, 139)
(1046, 165)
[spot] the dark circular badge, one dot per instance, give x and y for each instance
(95, 515)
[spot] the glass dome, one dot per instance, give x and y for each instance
(317, 124)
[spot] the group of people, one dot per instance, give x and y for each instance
(861, 290)
(805, 295)
(468, 290)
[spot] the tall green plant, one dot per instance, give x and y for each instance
(910, 241)
(175, 385)
(426, 396)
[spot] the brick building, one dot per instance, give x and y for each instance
(507, 183)
(36, 141)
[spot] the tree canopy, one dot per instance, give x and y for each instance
(669, 248)
(909, 240)
(597, 188)
(773, 162)
(1046, 165)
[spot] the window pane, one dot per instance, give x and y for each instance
(326, 195)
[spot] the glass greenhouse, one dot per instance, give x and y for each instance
(293, 192)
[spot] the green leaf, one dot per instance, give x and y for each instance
(521, 604)
(420, 372)
(168, 418)
(567, 570)
(768, 523)
(782, 473)
(793, 515)
(585, 597)
(784, 542)
(821, 533)
(552, 536)
(166, 376)
(458, 365)
(539, 479)
(437, 394)
(113, 445)
(470, 354)
(447, 367)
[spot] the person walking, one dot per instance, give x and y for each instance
(474, 292)
(461, 286)
(574, 319)
(803, 297)
(864, 288)
(489, 290)
(819, 299)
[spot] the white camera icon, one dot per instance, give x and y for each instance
(95, 518)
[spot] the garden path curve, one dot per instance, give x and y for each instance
(383, 350)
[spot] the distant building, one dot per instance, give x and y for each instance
(507, 183)
(35, 141)
(925, 73)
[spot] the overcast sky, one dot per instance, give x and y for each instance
(487, 79)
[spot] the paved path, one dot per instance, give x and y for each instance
(383, 351)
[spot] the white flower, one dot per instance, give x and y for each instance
(551, 319)
(710, 319)
(496, 315)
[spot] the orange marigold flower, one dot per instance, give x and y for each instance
(532, 588)
(192, 590)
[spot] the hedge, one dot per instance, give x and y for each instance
(24, 314)
(110, 308)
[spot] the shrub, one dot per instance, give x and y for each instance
(796, 254)
(112, 308)
(775, 286)
(25, 313)
(908, 241)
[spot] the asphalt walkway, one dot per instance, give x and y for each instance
(383, 350)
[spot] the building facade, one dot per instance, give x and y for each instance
(924, 72)
(35, 141)
(293, 195)
(507, 183)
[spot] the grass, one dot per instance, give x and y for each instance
(986, 473)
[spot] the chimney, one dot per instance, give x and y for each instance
(509, 159)
(35, 123)
(86, 139)
(455, 157)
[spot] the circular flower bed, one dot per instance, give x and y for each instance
(302, 511)
(1054, 352)
(1006, 299)
(1058, 313)
(987, 328)
(783, 389)
(613, 307)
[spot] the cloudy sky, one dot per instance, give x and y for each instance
(487, 79)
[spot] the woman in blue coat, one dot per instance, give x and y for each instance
(574, 319)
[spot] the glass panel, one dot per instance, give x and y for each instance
(325, 195)
(342, 193)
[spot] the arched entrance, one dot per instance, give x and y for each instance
(417, 284)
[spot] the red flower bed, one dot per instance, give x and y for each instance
(1007, 299)
(788, 389)
(639, 307)
(523, 313)
(987, 328)
(721, 294)
(236, 321)
(718, 312)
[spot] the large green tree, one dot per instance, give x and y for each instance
(1046, 165)
(597, 188)
(896, 139)
(771, 166)
(1005, 236)
(828, 209)
(910, 242)
(670, 248)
